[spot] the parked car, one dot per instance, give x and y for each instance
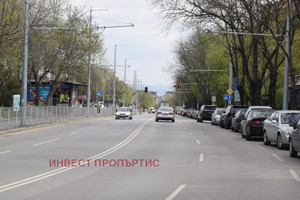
(206, 112)
(277, 127)
(228, 114)
(151, 110)
(184, 112)
(189, 113)
(236, 120)
(216, 116)
(294, 140)
(194, 114)
(124, 112)
(254, 123)
(243, 122)
(165, 113)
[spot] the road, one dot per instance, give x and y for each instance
(192, 161)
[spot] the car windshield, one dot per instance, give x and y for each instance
(219, 111)
(124, 109)
(288, 118)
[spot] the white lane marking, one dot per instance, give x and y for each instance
(3, 152)
(175, 192)
(63, 169)
(38, 144)
(91, 127)
(185, 128)
(74, 133)
(295, 175)
(201, 158)
(277, 157)
(260, 147)
(198, 142)
(190, 133)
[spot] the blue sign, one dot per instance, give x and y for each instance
(235, 88)
(236, 81)
(214, 93)
(99, 93)
(227, 97)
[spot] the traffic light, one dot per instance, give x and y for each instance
(178, 86)
(146, 89)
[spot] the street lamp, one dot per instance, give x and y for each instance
(114, 83)
(89, 59)
(124, 92)
(25, 63)
(287, 58)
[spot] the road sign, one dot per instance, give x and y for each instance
(236, 81)
(229, 91)
(214, 93)
(227, 97)
(237, 96)
(178, 86)
(99, 93)
(213, 98)
(235, 88)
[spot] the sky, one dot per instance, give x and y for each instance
(148, 48)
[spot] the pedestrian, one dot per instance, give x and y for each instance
(98, 108)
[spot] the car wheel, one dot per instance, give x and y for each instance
(201, 120)
(266, 140)
(232, 128)
(130, 118)
(226, 125)
(279, 142)
(212, 123)
(247, 136)
(292, 151)
(173, 120)
(156, 120)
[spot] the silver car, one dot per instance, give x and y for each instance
(216, 116)
(124, 112)
(165, 113)
(277, 127)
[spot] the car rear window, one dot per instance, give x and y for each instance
(210, 107)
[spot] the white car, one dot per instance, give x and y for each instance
(277, 127)
(165, 113)
(124, 112)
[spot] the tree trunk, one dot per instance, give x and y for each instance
(272, 88)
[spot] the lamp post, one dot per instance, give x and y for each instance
(89, 59)
(25, 63)
(287, 58)
(124, 92)
(114, 83)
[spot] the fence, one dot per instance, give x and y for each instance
(10, 118)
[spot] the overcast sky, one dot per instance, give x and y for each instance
(149, 49)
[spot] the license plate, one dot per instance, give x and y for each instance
(165, 113)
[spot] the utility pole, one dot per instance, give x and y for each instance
(25, 64)
(124, 92)
(89, 62)
(287, 58)
(230, 71)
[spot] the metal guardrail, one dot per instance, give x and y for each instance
(10, 118)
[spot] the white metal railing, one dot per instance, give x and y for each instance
(10, 118)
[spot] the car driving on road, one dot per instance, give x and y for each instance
(124, 112)
(165, 113)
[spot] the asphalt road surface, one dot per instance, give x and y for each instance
(192, 161)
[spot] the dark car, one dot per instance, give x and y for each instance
(228, 114)
(254, 123)
(294, 141)
(205, 112)
(236, 120)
